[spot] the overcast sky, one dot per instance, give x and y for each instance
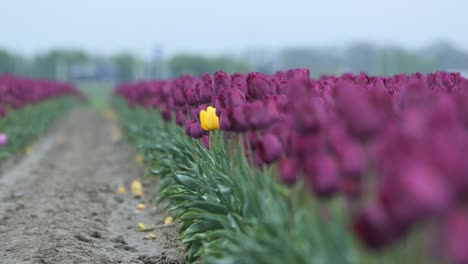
(212, 27)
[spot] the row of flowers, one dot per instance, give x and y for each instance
(394, 147)
(17, 92)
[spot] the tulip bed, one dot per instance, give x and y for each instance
(27, 109)
(288, 169)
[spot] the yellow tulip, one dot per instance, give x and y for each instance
(208, 119)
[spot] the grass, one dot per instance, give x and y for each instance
(98, 94)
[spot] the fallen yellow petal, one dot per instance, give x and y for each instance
(29, 150)
(168, 220)
(121, 190)
(141, 206)
(110, 114)
(136, 188)
(150, 236)
(139, 158)
(141, 226)
(116, 134)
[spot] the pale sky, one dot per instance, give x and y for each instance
(213, 27)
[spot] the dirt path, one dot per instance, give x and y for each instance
(59, 204)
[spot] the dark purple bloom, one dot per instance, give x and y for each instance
(225, 119)
(299, 74)
(255, 114)
(289, 170)
(238, 81)
(238, 119)
(269, 148)
(323, 175)
(196, 130)
(222, 80)
(178, 95)
(166, 114)
(180, 118)
(191, 97)
(374, 227)
(454, 236)
(206, 141)
(187, 125)
(259, 86)
(233, 98)
(206, 92)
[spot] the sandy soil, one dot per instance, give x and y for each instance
(59, 204)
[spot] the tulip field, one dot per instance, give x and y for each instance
(27, 109)
(283, 168)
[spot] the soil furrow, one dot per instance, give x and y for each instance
(59, 205)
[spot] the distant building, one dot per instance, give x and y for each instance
(93, 71)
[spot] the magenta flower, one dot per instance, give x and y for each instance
(3, 139)
(222, 80)
(259, 86)
(289, 171)
(374, 227)
(195, 130)
(206, 141)
(323, 176)
(269, 148)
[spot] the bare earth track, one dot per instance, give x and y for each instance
(59, 204)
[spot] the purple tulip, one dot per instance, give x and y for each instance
(191, 97)
(454, 236)
(166, 114)
(206, 92)
(233, 98)
(255, 114)
(374, 227)
(222, 80)
(206, 141)
(225, 119)
(180, 118)
(258, 86)
(299, 74)
(323, 176)
(238, 81)
(289, 170)
(3, 111)
(238, 119)
(269, 148)
(195, 130)
(187, 125)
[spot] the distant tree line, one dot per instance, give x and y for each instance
(376, 60)
(361, 57)
(56, 64)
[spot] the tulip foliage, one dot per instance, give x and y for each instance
(28, 107)
(308, 170)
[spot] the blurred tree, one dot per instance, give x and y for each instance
(319, 61)
(361, 57)
(54, 64)
(392, 60)
(446, 56)
(7, 62)
(196, 65)
(126, 66)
